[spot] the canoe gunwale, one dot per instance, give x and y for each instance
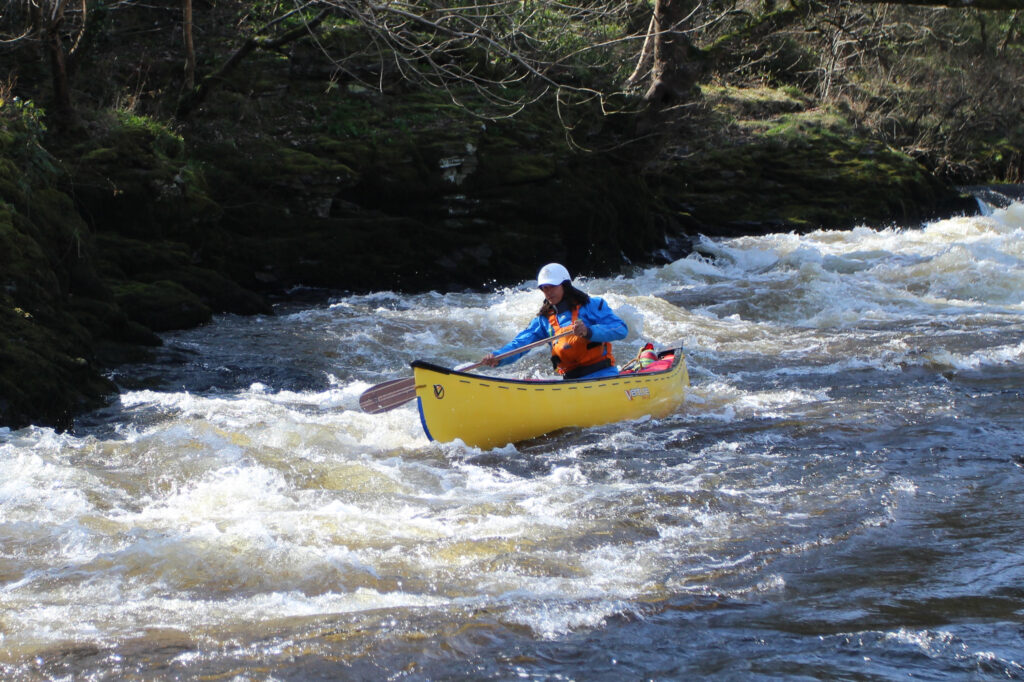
(678, 358)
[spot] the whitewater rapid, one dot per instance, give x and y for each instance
(234, 511)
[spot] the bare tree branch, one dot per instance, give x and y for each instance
(196, 95)
(953, 4)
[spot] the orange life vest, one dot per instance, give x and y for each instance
(573, 352)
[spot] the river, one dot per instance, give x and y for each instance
(839, 497)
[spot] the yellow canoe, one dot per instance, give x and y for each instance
(489, 412)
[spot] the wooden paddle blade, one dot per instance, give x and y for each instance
(387, 396)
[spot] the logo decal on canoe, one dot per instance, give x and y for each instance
(644, 393)
(438, 391)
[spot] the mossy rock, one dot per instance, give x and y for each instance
(216, 291)
(45, 377)
(161, 305)
(802, 173)
(106, 321)
(125, 258)
(131, 176)
(25, 271)
(269, 187)
(47, 372)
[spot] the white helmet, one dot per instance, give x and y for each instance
(552, 273)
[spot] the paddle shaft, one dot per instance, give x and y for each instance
(391, 394)
(516, 351)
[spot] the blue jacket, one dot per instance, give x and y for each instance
(604, 325)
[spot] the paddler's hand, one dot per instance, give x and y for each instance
(489, 360)
(579, 328)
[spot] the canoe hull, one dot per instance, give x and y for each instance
(489, 412)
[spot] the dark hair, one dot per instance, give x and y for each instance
(570, 295)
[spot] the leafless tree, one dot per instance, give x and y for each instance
(195, 95)
(57, 27)
(509, 52)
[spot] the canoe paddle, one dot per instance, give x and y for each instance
(391, 394)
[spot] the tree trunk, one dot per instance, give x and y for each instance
(61, 88)
(673, 73)
(190, 50)
(49, 28)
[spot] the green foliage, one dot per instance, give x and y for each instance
(17, 113)
(157, 135)
(22, 129)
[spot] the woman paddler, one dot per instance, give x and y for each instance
(587, 352)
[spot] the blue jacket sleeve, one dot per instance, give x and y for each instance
(603, 323)
(537, 329)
